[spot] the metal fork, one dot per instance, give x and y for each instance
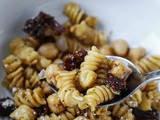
(135, 81)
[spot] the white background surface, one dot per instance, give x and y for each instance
(137, 21)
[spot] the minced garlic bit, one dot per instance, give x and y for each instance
(41, 74)
(7, 103)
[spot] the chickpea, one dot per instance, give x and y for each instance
(48, 50)
(136, 54)
(120, 70)
(55, 104)
(106, 50)
(52, 70)
(120, 47)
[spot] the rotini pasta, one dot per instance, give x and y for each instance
(63, 56)
(52, 116)
(146, 102)
(30, 98)
(81, 118)
(103, 113)
(122, 111)
(27, 54)
(31, 77)
(96, 95)
(23, 112)
(88, 35)
(102, 72)
(14, 71)
(135, 99)
(148, 64)
(91, 63)
(67, 93)
(76, 15)
(68, 114)
(135, 54)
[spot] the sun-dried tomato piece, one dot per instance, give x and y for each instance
(73, 61)
(42, 110)
(145, 115)
(116, 83)
(37, 26)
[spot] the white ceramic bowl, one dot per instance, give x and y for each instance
(137, 21)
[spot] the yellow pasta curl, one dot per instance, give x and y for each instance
(31, 77)
(30, 98)
(23, 112)
(122, 111)
(88, 35)
(146, 102)
(68, 114)
(95, 96)
(135, 99)
(67, 93)
(52, 116)
(81, 118)
(27, 54)
(76, 15)
(148, 64)
(102, 72)
(14, 71)
(88, 68)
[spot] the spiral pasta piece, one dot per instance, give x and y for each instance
(146, 102)
(67, 93)
(23, 112)
(31, 77)
(148, 64)
(135, 99)
(103, 113)
(151, 86)
(81, 118)
(156, 101)
(14, 71)
(27, 54)
(102, 72)
(122, 111)
(87, 35)
(88, 68)
(95, 96)
(68, 114)
(52, 116)
(30, 98)
(76, 15)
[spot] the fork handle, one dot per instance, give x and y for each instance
(153, 75)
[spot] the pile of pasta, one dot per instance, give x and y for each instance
(33, 64)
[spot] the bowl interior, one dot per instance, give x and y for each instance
(133, 20)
